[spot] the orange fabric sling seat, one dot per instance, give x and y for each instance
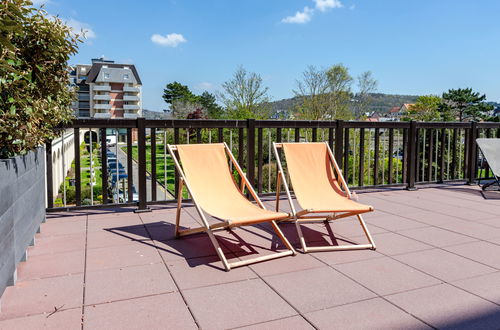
(319, 187)
(204, 171)
(314, 183)
(213, 186)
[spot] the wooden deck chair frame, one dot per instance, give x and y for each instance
(496, 179)
(307, 216)
(209, 229)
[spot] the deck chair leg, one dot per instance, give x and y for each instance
(218, 249)
(282, 237)
(301, 236)
(367, 233)
(179, 208)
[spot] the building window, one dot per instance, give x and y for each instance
(125, 76)
(106, 75)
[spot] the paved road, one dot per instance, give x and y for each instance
(161, 193)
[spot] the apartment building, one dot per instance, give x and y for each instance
(107, 90)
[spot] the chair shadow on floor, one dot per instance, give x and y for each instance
(239, 242)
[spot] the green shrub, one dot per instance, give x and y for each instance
(34, 95)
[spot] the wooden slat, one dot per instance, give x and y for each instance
(176, 172)
(220, 135)
(391, 154)
(104, 166)
(361, 175)
(441, 154)
(454, 159)
(430, 153)
(376, 157)
(241, 146)
(78, 174)
(260, 157)
(153, 163)
(314, 134)
(130, 171)
(297, 134)
(346, 154)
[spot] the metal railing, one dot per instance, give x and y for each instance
(372, 154)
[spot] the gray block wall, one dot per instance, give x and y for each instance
(22, 209)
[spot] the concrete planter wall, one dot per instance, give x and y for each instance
(22, 209)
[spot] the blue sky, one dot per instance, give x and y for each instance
(412, 47)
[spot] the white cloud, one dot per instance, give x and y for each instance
(170, 40)
(324, 5)
(300, 17)
(80, 27)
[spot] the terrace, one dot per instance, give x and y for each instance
(116, 264)
(436, 265)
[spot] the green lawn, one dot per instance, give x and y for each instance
(160, 166)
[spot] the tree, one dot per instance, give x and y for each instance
(464, 104)
(367, 84)
(339, 89)
(175, 91)
(209, 104)
(34, 95)
(245, 96)
(313, 93)
(426, 108)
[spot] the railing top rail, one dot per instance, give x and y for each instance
(295, 123)
(195, 123)
(444, 124)
(376, 124)
(103, 123)
(488, 125)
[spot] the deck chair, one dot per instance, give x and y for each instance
(320, 189)
(490, 148)
(205, 172)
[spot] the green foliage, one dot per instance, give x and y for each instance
(426, 108)
(34, 93)
(209, 104)
(245, 96)
(175, 91)
(464, 104)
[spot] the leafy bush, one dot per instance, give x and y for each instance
(34, 93)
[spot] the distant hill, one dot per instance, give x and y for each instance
(380, 102)
(150, 114)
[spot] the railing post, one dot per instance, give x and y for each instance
(412, 155)
(472, 163)
(141, 150)
(339, 143)
(251, 151)
(78, 178)
(50, 179)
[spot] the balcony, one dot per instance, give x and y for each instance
(130, 98)
(101, 97)
(131, 107)
(131, 89)
(105, 88)
(438, 239)
(437, 263)
(102, 106)
(102, 115)
(130, 115)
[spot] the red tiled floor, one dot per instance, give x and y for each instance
(70, 319)
(446, 307)
(444, 265)
(42, 296)
(367, 314)
(386, 276)
(236, 304)
(122, 283)
(317, 288)
(437, 263)
(164, 311)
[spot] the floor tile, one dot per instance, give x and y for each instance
(367, 314)
(317, 288)
(122, 256)
(153, 312)
(444, 265)
(393, 244)
(286, 265)
(236, 304)
(70, 319)
(198, 272)
(57, 244)
(386, 276)
(49, 265)
(39, 296)
(436, 236)
(394, 222)
(294, 322)
(446, 307)
(485, 286)
(483, 252)
(128, 282)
